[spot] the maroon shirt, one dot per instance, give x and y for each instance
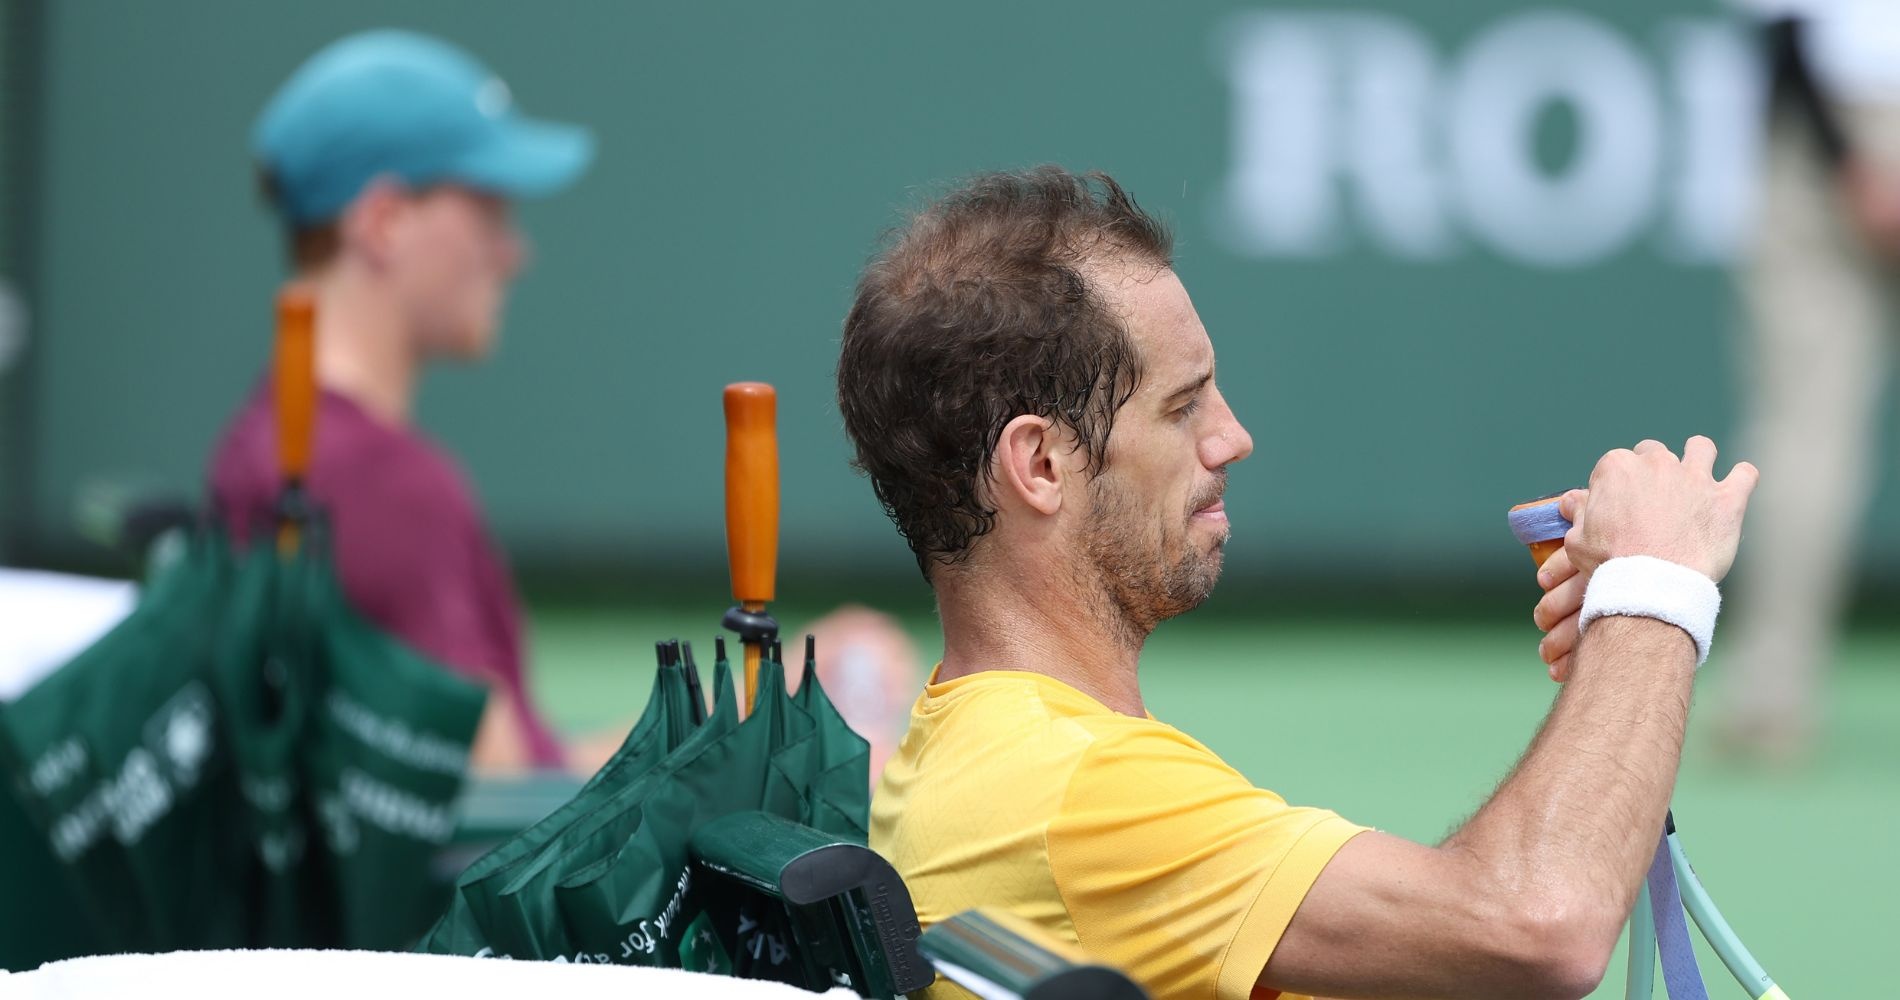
(409, 543)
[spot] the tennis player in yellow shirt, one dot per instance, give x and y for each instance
(1028, 387)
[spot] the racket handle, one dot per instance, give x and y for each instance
(1542, 551)
(1540, 526)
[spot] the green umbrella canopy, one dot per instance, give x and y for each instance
(608, 879)
(244, 761)
(461, 930)
(116, 759)
(351, 750)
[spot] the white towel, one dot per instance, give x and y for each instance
(46, 619)
(367, 975)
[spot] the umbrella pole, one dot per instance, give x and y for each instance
(295, 372)
(752, 520)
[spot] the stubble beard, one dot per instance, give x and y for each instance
(1134, 586)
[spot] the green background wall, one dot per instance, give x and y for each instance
(1401, 390)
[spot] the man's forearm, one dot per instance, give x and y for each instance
(1576, 823)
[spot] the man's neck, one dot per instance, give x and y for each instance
(364, 352)
(1039, 624)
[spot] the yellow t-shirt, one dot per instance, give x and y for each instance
(1120, 834)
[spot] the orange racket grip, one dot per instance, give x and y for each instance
(1541, 549)
(296, 380)
(752, 492)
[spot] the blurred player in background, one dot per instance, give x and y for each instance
(392, 160)
(1819, 286)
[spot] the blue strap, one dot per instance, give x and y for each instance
(1681, 975)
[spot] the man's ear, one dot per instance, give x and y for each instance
(1028, 467)
(367, 225)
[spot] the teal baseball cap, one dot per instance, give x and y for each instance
(410, 106)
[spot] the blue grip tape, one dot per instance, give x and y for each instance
(1541, 523)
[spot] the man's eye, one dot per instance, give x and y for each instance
(1188, 408)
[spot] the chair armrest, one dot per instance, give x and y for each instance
(1000, 957)
(839, 890)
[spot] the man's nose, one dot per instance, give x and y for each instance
(1229, 442)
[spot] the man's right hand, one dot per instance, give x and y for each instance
(1647, 502)
(1528, 898)
(1558, 612)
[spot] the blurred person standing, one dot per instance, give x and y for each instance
(392, 159)
(1819, 288)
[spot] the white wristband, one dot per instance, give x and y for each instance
(1648, 587)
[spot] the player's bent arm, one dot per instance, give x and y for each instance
(1527, 899)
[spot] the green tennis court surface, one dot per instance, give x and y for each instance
(1407, 726)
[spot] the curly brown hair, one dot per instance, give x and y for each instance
(975, 312)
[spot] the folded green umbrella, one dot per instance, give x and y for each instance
(386, 760)
(523, 917)
(243, 761)
(117, 761)
(825, 766)
(56, 924)
(838, 800)
(628, 901)
(609, 876)
(645, 904)
(351, 750)
(462, 930)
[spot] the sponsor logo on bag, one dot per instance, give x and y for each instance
(394, 810)
(60, 764)
(646, 938)
(149, 782)
(395, 739)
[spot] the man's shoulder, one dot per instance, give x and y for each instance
(1026, 703)
(1009, 719)
(1003, 706)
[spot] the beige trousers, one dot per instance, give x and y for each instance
(1820, 314)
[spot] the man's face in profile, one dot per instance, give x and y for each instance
(456, 253)
(1156, 522)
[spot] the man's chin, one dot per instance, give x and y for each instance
(1202, 581)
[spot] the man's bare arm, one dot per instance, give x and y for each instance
(1528, 897)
